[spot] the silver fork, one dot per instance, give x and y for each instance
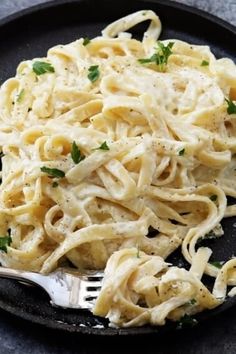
(66, 288)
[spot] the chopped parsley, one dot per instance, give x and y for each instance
(86, 41)
(160, 57)
(103, 146)
(231, 109)
(20, 96)
(213, 197)
(94, 73)
(186, 321)
(55, 184)
(216, 264)
(53, 172)
(76, 155)
(4, 242)
(192, 302)
(208, 236)
(41, 67)
(181, 152)
(204, 63)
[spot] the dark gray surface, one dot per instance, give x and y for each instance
(217, 335)
(225, 9)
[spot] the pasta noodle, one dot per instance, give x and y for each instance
(107, 139)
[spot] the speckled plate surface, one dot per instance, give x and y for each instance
(29, 34)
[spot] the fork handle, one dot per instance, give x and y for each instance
(21, 275)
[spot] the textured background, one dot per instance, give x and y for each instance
(216, 336)
(225, 9)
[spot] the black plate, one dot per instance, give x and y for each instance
(29, 34)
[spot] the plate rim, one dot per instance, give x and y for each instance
(63, 326)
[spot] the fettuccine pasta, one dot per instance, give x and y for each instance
(109, 139)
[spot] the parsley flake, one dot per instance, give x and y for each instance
(55, 184)
(204, 63)
(209, 236)
(41, 67)
(4, 242)
(186, 321)
(103, 146)
(161, 56)
(20, 96)
(76, 155)
(53, 172)
(213, 197)
(94, 73)
(148, 60)
(231, 109)
(216, 264)
(192, 302)
(86, 41)
(181, 152)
